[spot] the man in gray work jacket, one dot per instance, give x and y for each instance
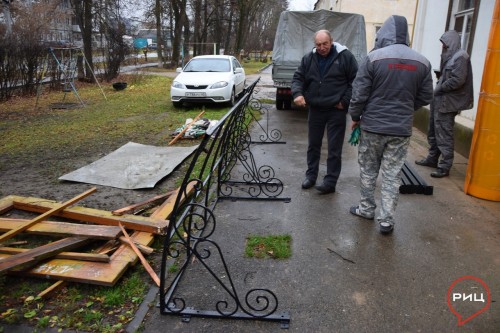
(392, 82)
(323, 83)
(453, 93)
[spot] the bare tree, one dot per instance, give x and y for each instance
(113, 49)
(231, 25)
(83, 10)
(7, 17)
(23, 52)
(263, 24)
(159, 32)
(179, 17)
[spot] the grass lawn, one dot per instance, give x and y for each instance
(33, 132)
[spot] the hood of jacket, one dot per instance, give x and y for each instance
(393, 31)
(451, 43)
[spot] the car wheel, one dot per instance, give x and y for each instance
(232, 100)
(287, 104)
(279, 104)
(177, 104)
(243, 91)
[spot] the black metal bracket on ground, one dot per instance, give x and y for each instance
(270, 135)
(412, 183)
(249, 181)
(223, 153)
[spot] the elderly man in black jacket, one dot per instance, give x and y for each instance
(323, 83)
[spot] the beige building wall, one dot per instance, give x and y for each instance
(374, 11)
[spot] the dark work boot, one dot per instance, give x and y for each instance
(325, 188)
(427, 163)
(308, 183)
(440, 173)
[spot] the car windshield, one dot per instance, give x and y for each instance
(208, 65)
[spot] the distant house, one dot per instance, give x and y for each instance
(149, 34)
(151, 37)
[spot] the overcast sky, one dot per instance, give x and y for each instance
(301, 4)
(293, 5)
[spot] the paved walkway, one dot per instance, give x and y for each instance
(344, 276)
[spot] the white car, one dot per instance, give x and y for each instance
(209, 78)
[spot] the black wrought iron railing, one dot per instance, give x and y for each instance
(222, 167)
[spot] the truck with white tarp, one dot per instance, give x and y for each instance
(295, 37)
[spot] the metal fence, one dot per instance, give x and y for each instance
(222, 167)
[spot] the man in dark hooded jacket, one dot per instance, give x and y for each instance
(392, 82)
(453, 93)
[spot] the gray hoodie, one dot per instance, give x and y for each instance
(454, 90)
(392, 82)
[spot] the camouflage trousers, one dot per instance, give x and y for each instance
(386, 155)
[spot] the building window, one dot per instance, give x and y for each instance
(462, 20)
(465, 5)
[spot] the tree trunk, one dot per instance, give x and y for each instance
(83, 15)
(242, 24)
(159, 33)
(219, 9)
(227, 44)
(179, 13)
(87, 37)
(197, 27)
(7, 19)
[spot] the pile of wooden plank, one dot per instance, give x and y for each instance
(76, 227)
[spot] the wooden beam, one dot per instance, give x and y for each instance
(98, 273)
(166, 208)
(98, 257)
(143, 248)
(39, 218)
(95, 216)
(32, 256)
(178, 136)
(53, 288)
(144, 262)
(128, 209)
(63, 228)
(6, 204)
(108, 247)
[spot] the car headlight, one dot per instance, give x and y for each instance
(178, 85)
(220, 84)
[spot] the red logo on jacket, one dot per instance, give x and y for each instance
(403, 67)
